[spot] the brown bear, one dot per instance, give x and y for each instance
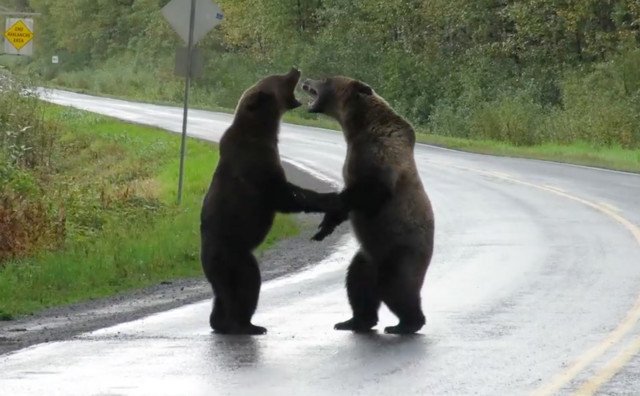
(248, 187)
(389, 210)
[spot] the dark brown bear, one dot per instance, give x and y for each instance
(248, 187)
(389, 209)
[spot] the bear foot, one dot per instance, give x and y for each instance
(241, 330)
(356, 325)
(403, 328)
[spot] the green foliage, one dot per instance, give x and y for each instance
(582, 153)
(513, 119)
(27, 147)
(450, 120)
(26, 139)
(468, 68)
(601, 106)
(120, 76)
(228, 75)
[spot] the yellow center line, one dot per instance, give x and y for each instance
(554, 188)
(623, 328)
(612, 368)
(611, 207)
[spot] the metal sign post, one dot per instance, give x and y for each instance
(199, 24)
(187, 87)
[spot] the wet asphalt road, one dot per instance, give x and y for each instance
(534, 288)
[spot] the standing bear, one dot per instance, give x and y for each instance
(389, 210)
(248, 187)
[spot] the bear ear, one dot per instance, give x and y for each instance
(362, 88)
(256, 100)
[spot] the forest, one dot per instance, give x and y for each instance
(524, 72)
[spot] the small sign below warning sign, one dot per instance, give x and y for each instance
(18, 36)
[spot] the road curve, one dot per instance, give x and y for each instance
(534, 288)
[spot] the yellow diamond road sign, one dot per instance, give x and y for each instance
(18, 34)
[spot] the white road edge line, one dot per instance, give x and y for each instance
(312, 172)
(531, 159)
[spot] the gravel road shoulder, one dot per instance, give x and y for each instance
(65, 322)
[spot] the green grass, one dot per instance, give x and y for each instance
(128, 235)
(583, 153)
(616, 158)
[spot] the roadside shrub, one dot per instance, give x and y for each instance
(449, 120)
(602, 105)
(27, 147)
(126, 75)
(513, 119)
(26, 139)
(227, 76)
(399, 87)
(626, 68)
(26, 224)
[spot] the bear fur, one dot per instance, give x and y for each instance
(249, 186)
(389, 210)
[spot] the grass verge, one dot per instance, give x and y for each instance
(615, 158)
(583, 153)
(116, 183)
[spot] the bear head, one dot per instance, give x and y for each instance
(271, 95)
(333, 95)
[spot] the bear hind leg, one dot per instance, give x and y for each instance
(401, 281)
(245, 293)
(363, 295)
(216, 264)
(218, 318)
(235, 279)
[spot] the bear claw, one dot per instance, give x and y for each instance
(355, 326)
